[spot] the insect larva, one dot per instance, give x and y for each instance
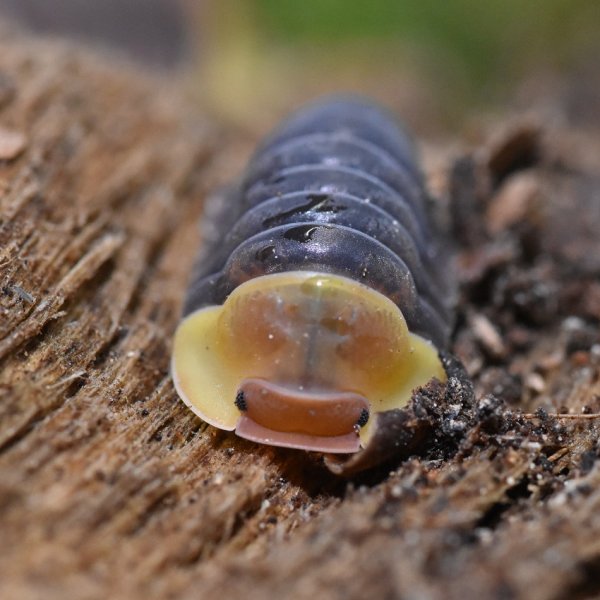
(322, 295)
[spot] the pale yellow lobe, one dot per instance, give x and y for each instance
(421, 365)
(308, 332)
(203, 381)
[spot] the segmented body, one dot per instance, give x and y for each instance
(337, 189)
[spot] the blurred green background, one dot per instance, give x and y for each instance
(491, 39)
(435, 60)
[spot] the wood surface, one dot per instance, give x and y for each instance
(110, 487)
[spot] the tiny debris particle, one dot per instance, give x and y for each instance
(17, 290)
(396, 491)
(572, 324)
(535, 382)
(587, 461)
(551, 361)
(512, 149)
(7, 90)
(580, 358)
(12, 144)
(512, 202)
(487, 335)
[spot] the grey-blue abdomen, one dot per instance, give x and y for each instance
(335, 189)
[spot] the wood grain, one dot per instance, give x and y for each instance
(110, 487)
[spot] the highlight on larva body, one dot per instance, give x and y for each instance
(321, 296)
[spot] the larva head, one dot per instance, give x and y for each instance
(313, 333)
(299, 359)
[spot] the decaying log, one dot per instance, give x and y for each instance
(110, 487)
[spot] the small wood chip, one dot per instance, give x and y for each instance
(487, 335)
(511, 149)
(535, 382)
(512, 202)
(12, 144)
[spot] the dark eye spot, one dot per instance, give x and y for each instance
(364, 418)
(240, 401)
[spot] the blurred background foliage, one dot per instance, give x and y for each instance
(435, 61)
(486, 36)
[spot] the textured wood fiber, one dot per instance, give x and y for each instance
(110, 487)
